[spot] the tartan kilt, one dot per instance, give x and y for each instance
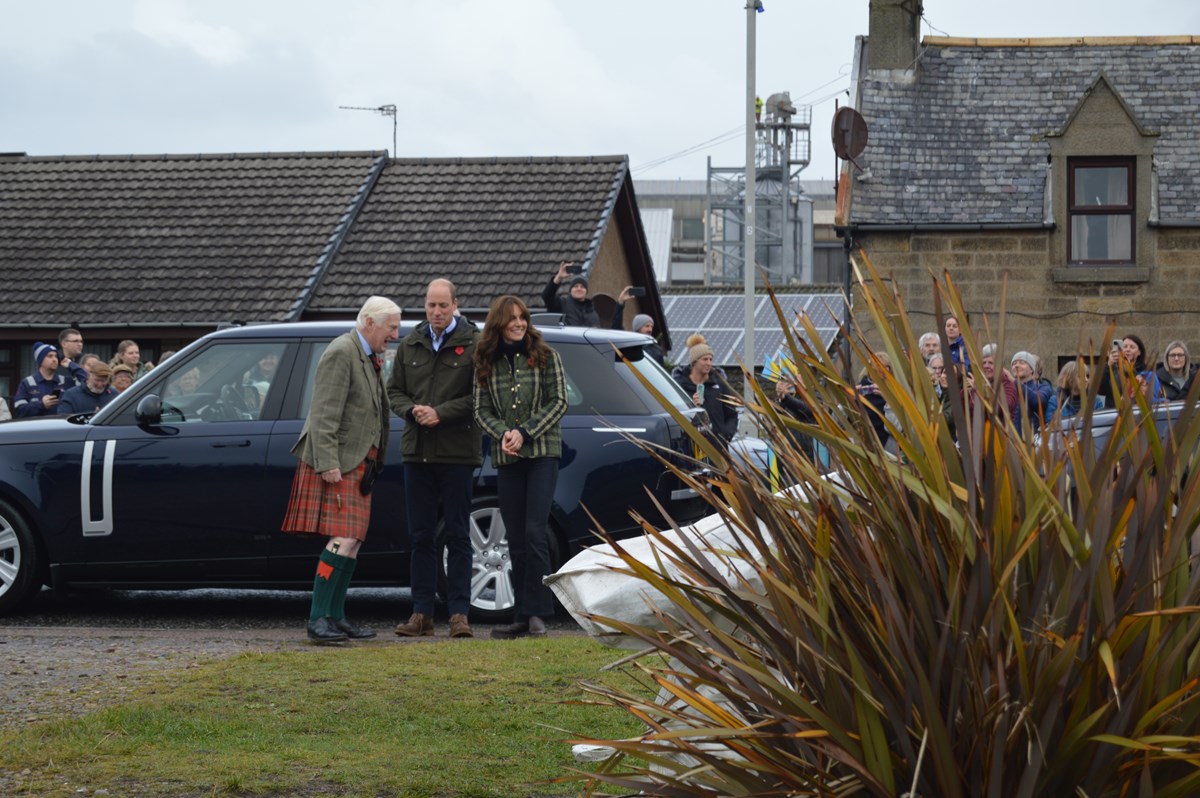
(336, 510)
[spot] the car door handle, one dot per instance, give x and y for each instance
(231, 445)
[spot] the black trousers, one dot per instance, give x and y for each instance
(526, 489)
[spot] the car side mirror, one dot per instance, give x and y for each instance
(149, 411)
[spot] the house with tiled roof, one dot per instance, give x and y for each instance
(1065, 172)
(165, 248)
(492, 225)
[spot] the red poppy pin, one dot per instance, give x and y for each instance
(458, 350)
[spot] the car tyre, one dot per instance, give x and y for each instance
(20, 560)
(492, 595)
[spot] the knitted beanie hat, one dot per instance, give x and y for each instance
(1030, 359)
(640, 321)
(40, 350)
(697, 348)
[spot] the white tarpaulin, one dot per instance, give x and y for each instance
(597, 582)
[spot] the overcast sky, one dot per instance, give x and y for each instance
(647, 78)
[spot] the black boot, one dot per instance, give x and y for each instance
(352, 631)
(325, 630)
(512, 630)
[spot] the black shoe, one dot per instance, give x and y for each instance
(325, 630)
(511, 631)
(352, 631)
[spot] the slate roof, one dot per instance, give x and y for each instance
(169, 239)
(492, 225)
(965, 142)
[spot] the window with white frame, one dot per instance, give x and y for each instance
(1100, 207)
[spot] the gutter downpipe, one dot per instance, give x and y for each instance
(847, 234)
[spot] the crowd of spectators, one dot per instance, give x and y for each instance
(1025, 392)
(1031, 397)
(67, 380)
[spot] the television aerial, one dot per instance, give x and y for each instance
(384, 110)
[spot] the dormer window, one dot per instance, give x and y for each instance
(1100, 206)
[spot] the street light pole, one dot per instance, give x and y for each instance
(752, 8)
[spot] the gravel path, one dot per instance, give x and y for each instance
(58, 671)
(68, 657)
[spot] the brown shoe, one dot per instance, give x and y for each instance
(459, 627)
(418, 625)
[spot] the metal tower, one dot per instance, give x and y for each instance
(783, 236)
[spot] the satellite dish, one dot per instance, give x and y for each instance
(849, 134)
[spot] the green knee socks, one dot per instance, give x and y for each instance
(337, 609)
(329, 585)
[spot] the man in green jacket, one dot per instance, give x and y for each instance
(431, 389)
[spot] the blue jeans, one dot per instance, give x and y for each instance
(526, 489)
(428, 487)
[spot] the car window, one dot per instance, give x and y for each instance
(594, 384)
(228, 381)
(314, 357)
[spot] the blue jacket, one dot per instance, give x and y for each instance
(28, 401)
(81, 400)
(1068, 406)
(1035, 399)
(959, 356)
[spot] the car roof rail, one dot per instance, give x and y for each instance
(546, 319)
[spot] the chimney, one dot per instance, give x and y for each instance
(894, 35)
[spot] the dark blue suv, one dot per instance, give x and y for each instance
(183, 480)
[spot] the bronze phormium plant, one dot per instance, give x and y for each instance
(979, 615)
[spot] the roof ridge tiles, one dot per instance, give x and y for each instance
(1060, 41)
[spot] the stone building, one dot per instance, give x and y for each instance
(1062, 174)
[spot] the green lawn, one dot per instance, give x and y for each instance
(456, 720)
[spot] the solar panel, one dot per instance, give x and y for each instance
(721, 319)
(688, 313)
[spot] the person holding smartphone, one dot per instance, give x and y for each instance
(577, 309)
(38, 394)
(1127, 371)
(642, 323)
(707, 390)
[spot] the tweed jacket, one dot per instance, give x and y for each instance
(442, 380)
(349, 410)
(533, 400)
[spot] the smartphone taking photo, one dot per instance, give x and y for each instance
(637, 290)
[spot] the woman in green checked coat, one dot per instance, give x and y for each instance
(520, 397)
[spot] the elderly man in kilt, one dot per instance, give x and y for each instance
(344, 440)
